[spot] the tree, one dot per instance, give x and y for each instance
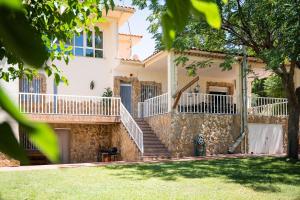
(268, 29)
(273, 87)
(269, 87)
(29, 31)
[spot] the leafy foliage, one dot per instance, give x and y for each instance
(174, 16)
(268, 29)
(28, 34)
(258, 87)
(269, 87)
(273, 87)
(108, 92)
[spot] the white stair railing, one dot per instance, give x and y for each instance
(154, 106)
(267, 106)
(34, 103)
(132, 127)
(207, 103)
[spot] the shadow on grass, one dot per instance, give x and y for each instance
(260, 174)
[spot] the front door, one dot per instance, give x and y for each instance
(63, 140)
(125, 93)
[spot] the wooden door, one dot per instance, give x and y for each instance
(64, 144)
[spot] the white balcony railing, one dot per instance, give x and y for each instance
(32, 103)
(214, 104)
(267, 106)
(132, 127)
(207, 103)
(153, 106)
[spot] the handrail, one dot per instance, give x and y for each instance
(36, 103)
(207, 103)
(275, 109)
(155, 105)
(132, 127)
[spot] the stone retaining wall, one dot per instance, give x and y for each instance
(121, 140)
(178, 131)
(86, 140)
(5, 161)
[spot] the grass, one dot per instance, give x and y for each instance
(239, 178)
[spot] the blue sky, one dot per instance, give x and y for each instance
(138, 25)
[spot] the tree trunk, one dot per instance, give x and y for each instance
(294, 112)
(293, 120)
(293, 131)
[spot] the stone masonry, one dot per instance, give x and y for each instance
(178, 131)
(5, 161)
(86, 140)
(121, 140)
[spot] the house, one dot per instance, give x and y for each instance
(146, 117)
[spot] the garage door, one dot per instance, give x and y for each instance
(265, 139)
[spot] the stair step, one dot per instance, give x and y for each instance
(153, 144)
(156, 151)
(153, 148)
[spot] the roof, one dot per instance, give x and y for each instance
(132, 60)
(204, 53)
(125, 8)
(130, 35)
(121, 13)
(132, 39)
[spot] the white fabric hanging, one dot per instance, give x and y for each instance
(265, 138)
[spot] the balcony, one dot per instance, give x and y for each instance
(52, 108)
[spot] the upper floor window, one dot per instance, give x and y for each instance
(88, 44)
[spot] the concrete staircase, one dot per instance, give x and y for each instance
(153, 147)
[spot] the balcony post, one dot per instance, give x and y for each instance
(172, 79)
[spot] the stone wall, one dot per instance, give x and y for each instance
(86, 140)
(218, 131)
(5, 161)
(121, 140)
(178, 131)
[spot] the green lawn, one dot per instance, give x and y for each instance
(251, 178)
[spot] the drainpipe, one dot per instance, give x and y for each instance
(243, 104)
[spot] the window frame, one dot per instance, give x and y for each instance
(86, 47)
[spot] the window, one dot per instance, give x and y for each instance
(78, 45)
(148, 91)
(33, 86)
(88, 44)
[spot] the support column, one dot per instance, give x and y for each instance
(238, 85)
(172, 80)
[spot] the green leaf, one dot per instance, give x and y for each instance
(39, 134)
(56, 79)
(20, 38)
(210, 11)
(168, 29)
(65, 80)
(177, 10)
(14, 4)
(9, 144)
